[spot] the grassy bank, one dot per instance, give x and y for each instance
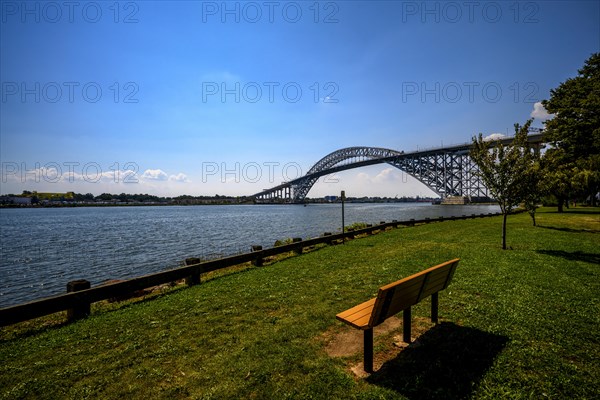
(517, 323)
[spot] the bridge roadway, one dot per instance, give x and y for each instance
(445, 170)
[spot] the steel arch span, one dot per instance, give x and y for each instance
(447, 171)
(349, 156)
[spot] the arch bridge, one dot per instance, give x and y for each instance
(447, 171)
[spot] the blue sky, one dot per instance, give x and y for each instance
(203, 98)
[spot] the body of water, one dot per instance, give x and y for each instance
(41, 249)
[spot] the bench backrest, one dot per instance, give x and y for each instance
(398, 296)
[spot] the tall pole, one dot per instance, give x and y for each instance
(343, 196)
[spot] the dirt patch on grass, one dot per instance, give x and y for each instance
(347, 342)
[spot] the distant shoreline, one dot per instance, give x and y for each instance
(215, 202)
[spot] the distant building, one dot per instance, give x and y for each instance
(15, 200)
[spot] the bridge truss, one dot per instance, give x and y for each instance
(448, 171)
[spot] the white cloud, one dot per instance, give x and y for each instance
(180, 177)
(362, 176)
(494, 136)
(539, 112)
(387, 175)
(155, 175)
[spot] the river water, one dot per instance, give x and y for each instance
(41, 249)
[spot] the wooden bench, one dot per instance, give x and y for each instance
(396, 297)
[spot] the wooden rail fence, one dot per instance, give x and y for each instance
(79, 295)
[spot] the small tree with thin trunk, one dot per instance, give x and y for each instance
(503, 170)
(533, 184)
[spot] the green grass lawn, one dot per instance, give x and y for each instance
(520, 323)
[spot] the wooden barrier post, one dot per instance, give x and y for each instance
(298, 250)
(193, 279)
(258, 262)
(82, 309)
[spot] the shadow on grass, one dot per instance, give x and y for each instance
(30, 328)
(582, 210)
(570, 230)
(573, 210)
(592, 258)
(445, 363)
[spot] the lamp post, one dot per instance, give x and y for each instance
(343, 196)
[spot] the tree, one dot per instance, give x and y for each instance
(533, 182)
(105, 197)
(503, 170)
(573, 165)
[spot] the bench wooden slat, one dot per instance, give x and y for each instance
(395, 299)
(447, 265)
(436, 283)
(358, 316)
(399, 295)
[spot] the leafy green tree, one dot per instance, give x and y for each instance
(105, 197)
(504, 170)
(573, 162)
(533, 182)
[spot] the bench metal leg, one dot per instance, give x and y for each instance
(406, 323)
(368, 346)
(434, 308)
